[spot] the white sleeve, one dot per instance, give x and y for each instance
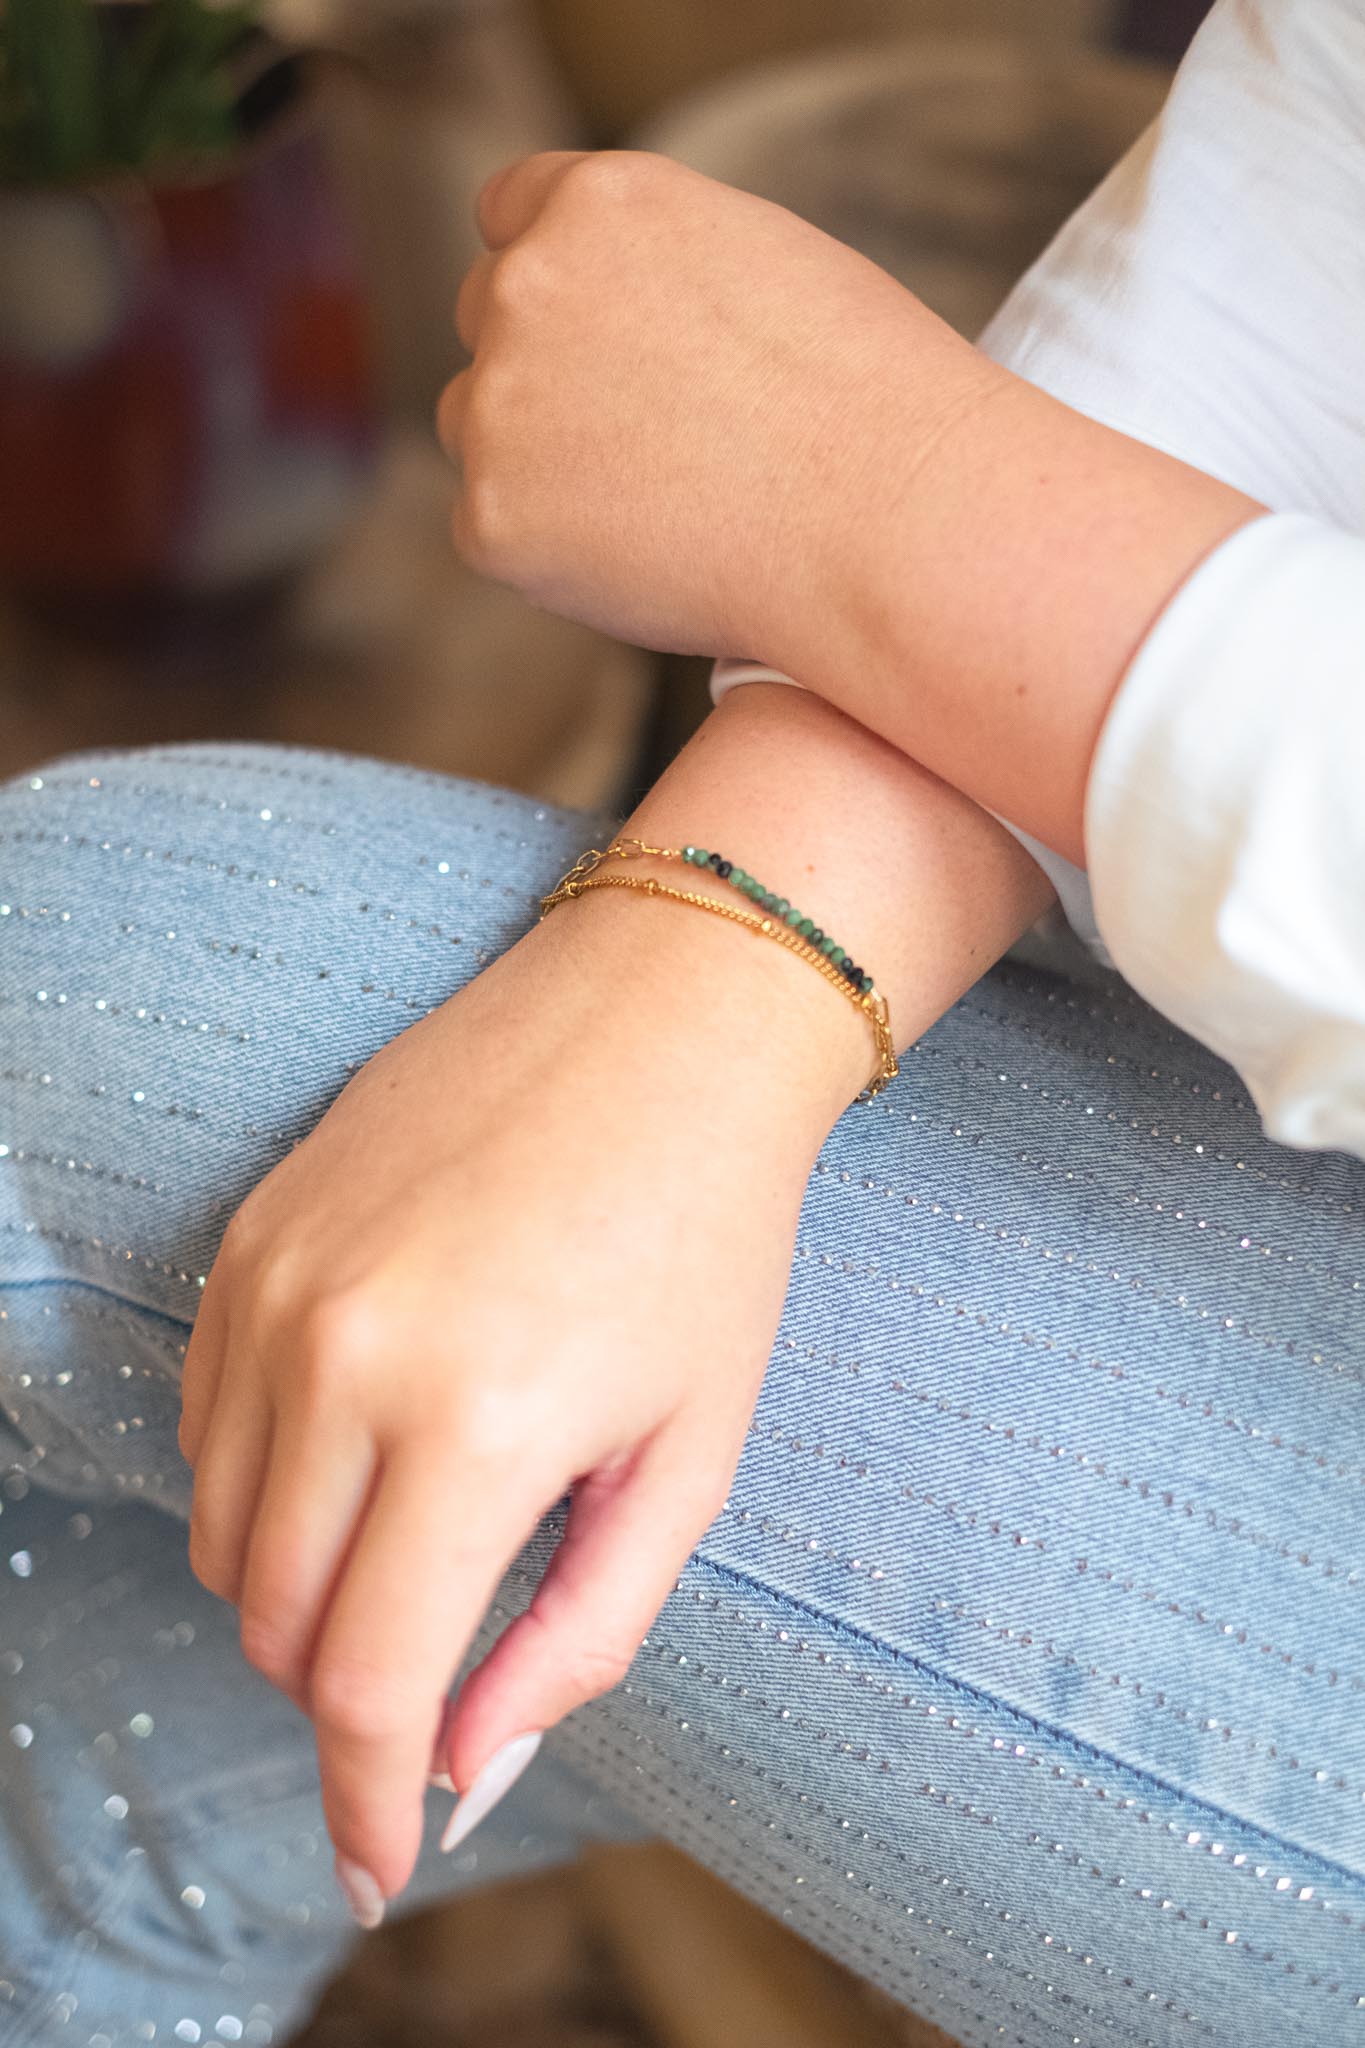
(1208, 299)
(1225, 822)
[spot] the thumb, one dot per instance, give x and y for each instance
(631, 1528)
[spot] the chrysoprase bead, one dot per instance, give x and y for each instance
(837, 955)
(866, 984)
(793, 917)
(828, 947)
(737, 878)
(780, 905)
(699, 856)
(806, 927)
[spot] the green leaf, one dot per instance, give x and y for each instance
(79, 93)
(51, 73)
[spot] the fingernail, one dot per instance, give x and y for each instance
(498, 1775)
(363, 1895)
(442, 1780)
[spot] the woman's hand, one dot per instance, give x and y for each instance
(678, 406)
(539, 1242)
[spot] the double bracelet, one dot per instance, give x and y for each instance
(774, 918)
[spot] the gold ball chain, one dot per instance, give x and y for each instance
(581, 879)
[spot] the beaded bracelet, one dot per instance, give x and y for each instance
(783, 922)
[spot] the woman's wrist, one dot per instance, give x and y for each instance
(912, 878)
(985, 568)
(710, 1008)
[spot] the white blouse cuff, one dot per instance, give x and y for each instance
(1225, 821)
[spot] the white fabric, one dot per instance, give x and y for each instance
(1209, 298)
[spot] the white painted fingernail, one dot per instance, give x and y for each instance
(498, 1776)
(363, 1895)
(442, 1780)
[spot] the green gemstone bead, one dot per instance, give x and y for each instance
(754, 889)
(699, 857)
(828, 946)
(866, 984)
(689, 853)
(806, 927)
(838, 955)
(793, 917)
(780, 905)
(737, 878)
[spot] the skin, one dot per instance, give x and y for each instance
(638, 1081)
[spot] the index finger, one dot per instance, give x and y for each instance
(510, 200)
(433, 1545)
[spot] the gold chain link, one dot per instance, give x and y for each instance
(580, 879)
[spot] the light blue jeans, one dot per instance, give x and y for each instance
(1025, 1669)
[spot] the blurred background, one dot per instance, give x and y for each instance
(231, 239)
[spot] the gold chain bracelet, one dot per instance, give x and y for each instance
(581, 879)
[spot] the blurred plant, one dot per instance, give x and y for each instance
(88, 88)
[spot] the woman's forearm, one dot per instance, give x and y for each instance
(911, 877)
(996, 565)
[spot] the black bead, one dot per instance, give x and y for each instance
(723, 868)
(816, 936)
(853, 973)
(713, 861)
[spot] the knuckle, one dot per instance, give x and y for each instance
(520, 279)
(481, 528)
(608, 174)
(268, 1644)
(597, 1668)
(450, 409)
(206, 1560)
(489, 1426)
(339, 1334)
(239, 1238)
(359, 1700)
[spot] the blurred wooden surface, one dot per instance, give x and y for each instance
(386, 646)
(625, 61)
(631, 1948)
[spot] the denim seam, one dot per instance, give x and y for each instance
(1139, 1896)
(1235, 1634)
(1161, 1701)
(1091, 1465)
(1048, 1731)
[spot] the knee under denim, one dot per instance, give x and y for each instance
(1024, 1668)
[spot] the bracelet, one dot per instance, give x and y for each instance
(787, 925)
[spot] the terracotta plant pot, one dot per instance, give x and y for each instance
(185, 383)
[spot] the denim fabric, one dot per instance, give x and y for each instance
(1023, 1669)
